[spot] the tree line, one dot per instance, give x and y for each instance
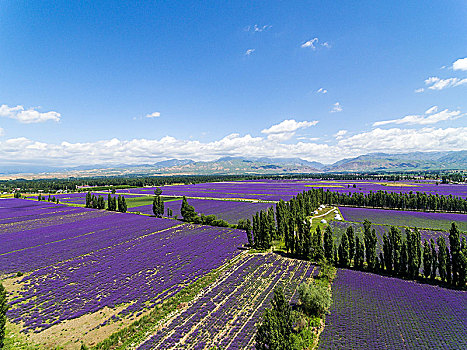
(113, 203)
(404, 256)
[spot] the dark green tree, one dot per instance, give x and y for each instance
(455, 247)
(158, 207)
(426, 259)
(371, 240)
(275, 329)
(351, 239)
(442, 255)
(328, 244)
(188, 212)
(344, 253)
(359, 253)
(434, 260)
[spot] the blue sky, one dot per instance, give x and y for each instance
(136, 82)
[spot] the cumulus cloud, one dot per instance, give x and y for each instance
(137, 151)
(336, 108)
(460, 64)
(435, 83)
(340, 134)
(153, 115)
(249, 52)
(419, 90)
(322, 91)
(28, 116)
(430, 117)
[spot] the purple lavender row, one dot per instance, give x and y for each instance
(376, 312)
(137, 272)
(441, 221)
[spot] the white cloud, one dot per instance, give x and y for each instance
(406, 140)
(322, 91)
(249, 52)
(288, 125)
(28, 116)
(256, 28)
(428, 118)
(138, 151)
(433, 109)
(313, 44)
(310, 43)
(460, 64)
(435, 83)
(153, 115)
(336, 108)
(340, 134)
(419, 90)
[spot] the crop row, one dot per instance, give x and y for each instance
(225, 316)
(376, 312)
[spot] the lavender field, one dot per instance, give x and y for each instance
(225, 316)
(275, 190)
(437, 221)
(231, 211)
(377, 312)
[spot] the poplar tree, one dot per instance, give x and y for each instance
(359, 253)
(328, 244)
(455, 246)
(442, 255)
(344, 251)
(370, 239)
(351, 239)
(434, 261)
(426, 259)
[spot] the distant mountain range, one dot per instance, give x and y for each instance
(374, 162)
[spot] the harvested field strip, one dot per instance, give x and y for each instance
(226, 315)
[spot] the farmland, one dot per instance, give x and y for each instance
(377, 312)
(80, 275)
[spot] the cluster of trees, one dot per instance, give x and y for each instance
(158, 206)
(283, 327)
(113, 203)
(404, 256)
(40, 197)
(190, 215)
(401, 256)
(17, 195)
